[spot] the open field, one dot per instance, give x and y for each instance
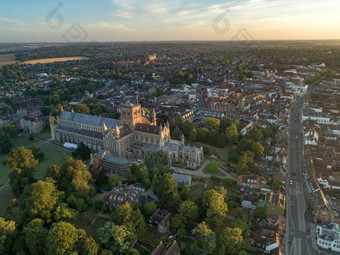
(46, 134)
(53, 156)
(7, 59)
(52, 60)
(89, 221)
(5, 197)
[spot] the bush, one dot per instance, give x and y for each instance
(98, 204)
(206, 151)
(223, 181)
(211, 167)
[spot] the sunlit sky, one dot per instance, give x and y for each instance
(158, 20)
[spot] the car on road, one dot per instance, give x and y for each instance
(290, 182)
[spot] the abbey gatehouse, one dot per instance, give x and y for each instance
(134, 136)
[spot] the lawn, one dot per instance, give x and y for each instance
(23, 141)
(45, 135)
(223, 155)
(216, 172)
(196, 191)
(52, 156)
(89, 221)
(5, 197)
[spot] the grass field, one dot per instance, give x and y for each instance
(7, 59)
(45, 135)
(52, 60)
(5, 197)
(89, 221)
(196, 191)
(223, 154)
(53, 156)
(217, 172)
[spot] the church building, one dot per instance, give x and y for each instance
(135, 136)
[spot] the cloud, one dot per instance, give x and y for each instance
(11, 21)
(109, 26)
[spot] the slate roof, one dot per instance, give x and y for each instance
(152, 129)
(89, 119)
(85, 132)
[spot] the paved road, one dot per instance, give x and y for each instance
(300, 237)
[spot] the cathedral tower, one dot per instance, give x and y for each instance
(130, 115)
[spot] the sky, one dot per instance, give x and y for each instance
(167, 20)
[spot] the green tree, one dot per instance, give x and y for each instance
(211, 167)
(63, 238)
(21, 163)
(166, 189)
(225, 122)
(232, 239)
(202, 134)
(244, 161)
(42, 199)
(82, 152)
(211, 123)
(205, 236)
(73, 178)
(132, 219)
(6, 143)
(221, 140)
(35, 236)
(260, 212)
(149, 208)
(64, 212)
(189, 210)
(213, 136)
(216, 208)
(88, 246)
(7, 235)
(176, 133)
(254, 134)
(178, 221)
(232, 133)
(184, 191)
(113, 180)
(81, 108)
(115, 238)
(37, 153)
(193, 135)
(10, 129)
(187, 127)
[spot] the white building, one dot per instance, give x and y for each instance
(328, 238)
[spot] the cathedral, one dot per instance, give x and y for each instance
(135, 136)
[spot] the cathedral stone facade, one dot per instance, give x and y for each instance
(134, 136)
